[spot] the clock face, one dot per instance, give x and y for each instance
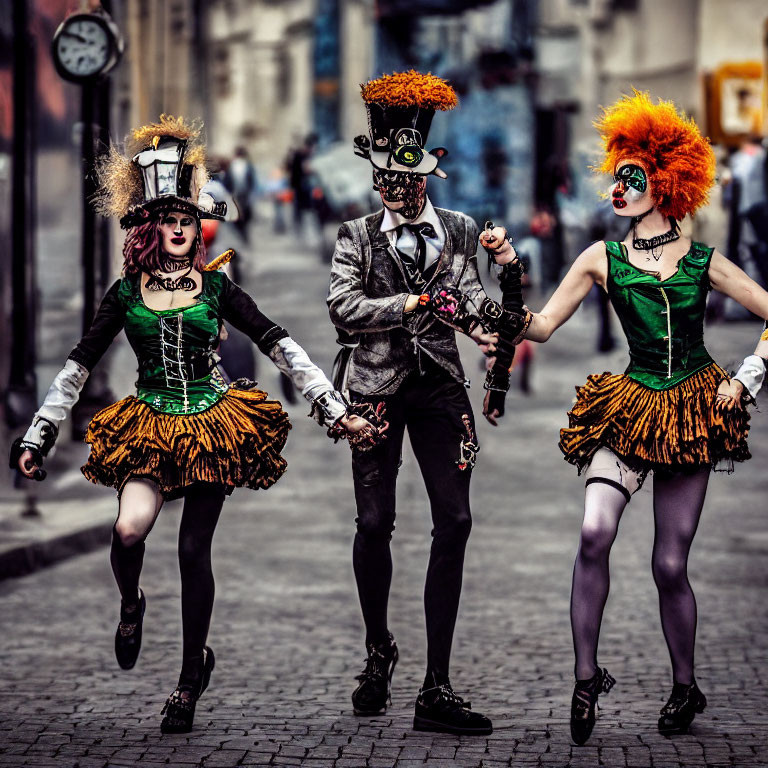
(83, 48)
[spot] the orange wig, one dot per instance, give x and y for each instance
(678, 160)
(405, 89)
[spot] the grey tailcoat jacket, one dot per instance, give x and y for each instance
(368, 292)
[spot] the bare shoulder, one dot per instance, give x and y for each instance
(592, 261)
(724, 273)
(718, 264)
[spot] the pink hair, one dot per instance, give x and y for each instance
(143, 249)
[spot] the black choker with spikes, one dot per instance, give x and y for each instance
(651, 243)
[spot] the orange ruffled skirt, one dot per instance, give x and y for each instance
(674, 429)
(235, 443)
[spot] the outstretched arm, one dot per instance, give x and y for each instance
(328, 405)
(27, 453)
(727, 278)
(588, 269)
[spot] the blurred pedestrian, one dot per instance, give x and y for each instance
(243, 183)
(544, 228)
(278, 189)
(748, 198)
(300, 178)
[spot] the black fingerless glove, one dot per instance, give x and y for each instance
(511, 283)
(17, 449)
(509, 320)
(497, 384)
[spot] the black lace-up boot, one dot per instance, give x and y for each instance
(685, 702)
(584, 704)
(438, 708)
(373, 694)
(128, 634)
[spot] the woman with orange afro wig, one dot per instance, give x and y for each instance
(673, 412)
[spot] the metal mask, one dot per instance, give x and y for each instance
(410, 189)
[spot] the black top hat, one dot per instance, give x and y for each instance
(169, 184)
(400, 111)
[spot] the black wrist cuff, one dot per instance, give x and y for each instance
(18, 446)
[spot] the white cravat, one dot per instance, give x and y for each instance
(406, 242)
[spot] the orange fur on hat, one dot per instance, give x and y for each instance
(406, 89)
(679, 161)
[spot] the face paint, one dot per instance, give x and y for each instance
(630, 187)
(633, 176)
(400, 191)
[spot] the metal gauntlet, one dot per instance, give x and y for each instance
(509, 324)
(328, 408)
(511, 283)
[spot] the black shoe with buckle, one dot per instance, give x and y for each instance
(128, 635)
(438, 708)
(179, 709)
(685, 702)
(584, 704)
(373, 694)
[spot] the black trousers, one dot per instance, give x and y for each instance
(436, 411)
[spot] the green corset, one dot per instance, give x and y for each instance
(175, 349)
(663, 320)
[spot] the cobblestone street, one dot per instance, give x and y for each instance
(287, 630)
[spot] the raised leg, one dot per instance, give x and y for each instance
(140, 504)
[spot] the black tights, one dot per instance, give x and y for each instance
(202, 507)
(677, 504)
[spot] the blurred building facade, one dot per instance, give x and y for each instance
(531, 76)
(279, 71)
(589, 52)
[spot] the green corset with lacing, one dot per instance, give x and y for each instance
(663, 320)
(175, 349)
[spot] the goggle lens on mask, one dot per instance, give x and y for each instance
(408, 155)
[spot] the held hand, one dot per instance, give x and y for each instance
(486, 341)
(359, 431)
(354, 424)
(729, 394)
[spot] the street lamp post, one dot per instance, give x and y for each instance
(21, 396)
(86, 46)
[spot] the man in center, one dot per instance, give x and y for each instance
(403, 281)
